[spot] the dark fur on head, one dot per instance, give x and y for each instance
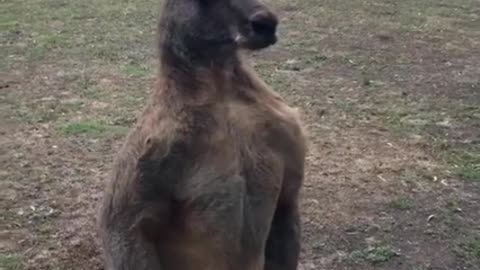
(209, 32)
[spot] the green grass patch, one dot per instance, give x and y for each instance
(466, 164)
(92, 129)
(470, 172)
(470, 249)
(279, 82)
(411, 176)
(453, 205)
(44, 112)
(11, 262)
(8, 25)
(95, 93)
(374, 255)
(135, 70)
(83, 128)
(51, 41)
(403, 121)
(402, 203)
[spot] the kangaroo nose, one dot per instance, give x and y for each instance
(264, 23)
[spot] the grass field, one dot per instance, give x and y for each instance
(390, 95)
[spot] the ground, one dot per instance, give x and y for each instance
(389, 92)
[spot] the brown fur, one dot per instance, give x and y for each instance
(209, 177)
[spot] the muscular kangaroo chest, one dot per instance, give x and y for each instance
(231, 196)
(233, 192)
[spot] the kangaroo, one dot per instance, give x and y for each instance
(209, 177)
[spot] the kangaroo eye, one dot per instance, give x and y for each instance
(205, 2)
